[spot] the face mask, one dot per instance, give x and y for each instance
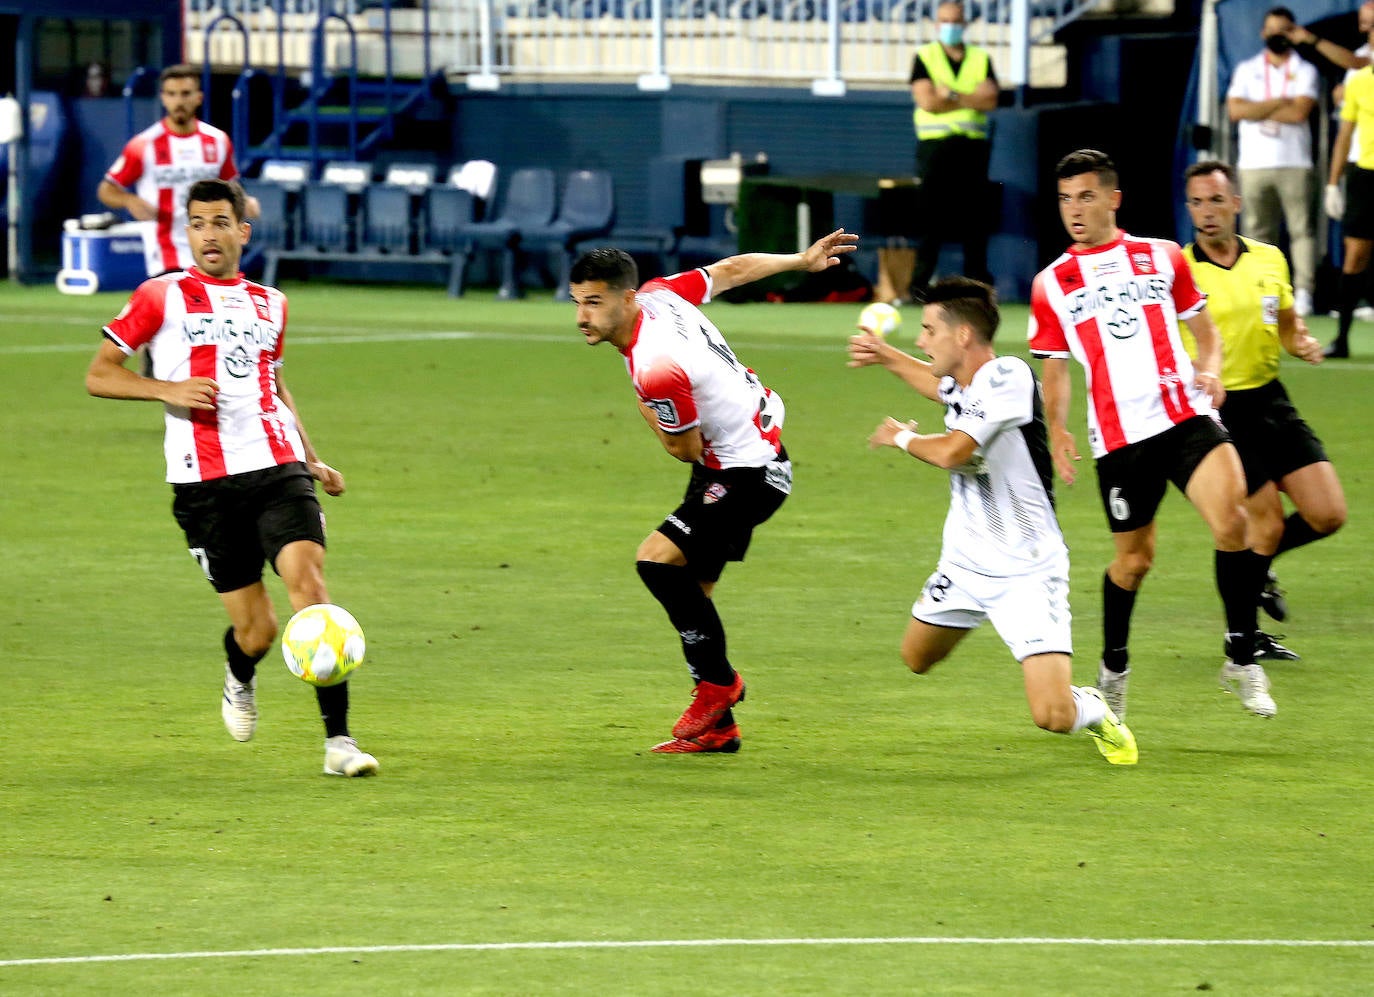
(953, 34)
(1278, 44)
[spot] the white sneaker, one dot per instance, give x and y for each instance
(1365, 313)
(239, 707)
(1112, 685)
(1302, 303)
(342, 756)
(1252, 686)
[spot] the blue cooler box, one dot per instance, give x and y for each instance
(102, 259)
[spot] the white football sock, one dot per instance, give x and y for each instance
(1091, 710)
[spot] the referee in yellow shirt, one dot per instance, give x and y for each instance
(1250, 298)
(1354, 209)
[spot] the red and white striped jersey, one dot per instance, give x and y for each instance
(1115, 309)
(228, 330)
(159, 166)
(685, 372)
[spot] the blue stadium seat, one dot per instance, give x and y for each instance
(586, 210)
(324, 218)
(445, 214)
(385, 224)
(272, 229)
(529, 201)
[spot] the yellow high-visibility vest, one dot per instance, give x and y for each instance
(972, 71)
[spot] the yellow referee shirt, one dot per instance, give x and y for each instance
(1359, 108)
(1244, 302)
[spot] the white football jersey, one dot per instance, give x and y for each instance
(228, 330)
(1001, 517)
(684, 371)
(1115, 309)
(159, 166)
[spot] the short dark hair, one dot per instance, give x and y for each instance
(1280, 12)
(1089, 161)
(968, 302)
(219, 190)
(614, 266)
(1205, 166)
(180, 71)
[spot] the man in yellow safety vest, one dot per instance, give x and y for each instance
(954, 87)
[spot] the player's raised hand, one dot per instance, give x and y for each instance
(194, 393)
(865, 349)
(825, 252)
(330, 480)
(1064, 450)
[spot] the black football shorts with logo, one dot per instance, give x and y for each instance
(235, 524)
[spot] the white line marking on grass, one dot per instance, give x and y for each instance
(701, 943)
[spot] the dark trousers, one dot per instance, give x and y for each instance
(953, 206)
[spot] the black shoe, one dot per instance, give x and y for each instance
(1337, 351)
(1267, 648)
(1271, 599)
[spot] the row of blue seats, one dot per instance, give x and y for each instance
(850, 11)
(346, 215)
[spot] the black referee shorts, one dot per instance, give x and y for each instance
(1358, 220)
(1272, 439)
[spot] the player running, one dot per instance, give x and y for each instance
(709, 410)
(1003, 558)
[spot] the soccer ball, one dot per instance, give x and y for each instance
(880, 318)
(322, 644)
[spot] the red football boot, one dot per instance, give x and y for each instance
(709, 703)
(726, 740)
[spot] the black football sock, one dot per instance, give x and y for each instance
(241, 664)
(333, 700)
(1351, 290)
(1239, 580)
(695, 618)
(1296, 532)
(1117, 605)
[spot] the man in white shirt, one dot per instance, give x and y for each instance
(1271, 97)
(1003, 557)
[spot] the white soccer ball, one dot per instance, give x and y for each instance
(880, 318)
(322, 644)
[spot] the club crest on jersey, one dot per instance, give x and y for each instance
(715, 491)
(260, 303)
(1143, 262)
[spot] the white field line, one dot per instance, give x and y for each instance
(699, 943)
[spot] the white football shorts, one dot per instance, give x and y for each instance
(1030, 611)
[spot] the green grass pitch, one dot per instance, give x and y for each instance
(499, 482)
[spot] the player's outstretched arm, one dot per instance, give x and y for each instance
(945, 450)
(107, 377)
(825, 252)
(1058, 388)
(330, 480)
(868, 350)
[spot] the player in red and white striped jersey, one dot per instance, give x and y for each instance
(158, 165)
(711, 411)
(241, 465)
(1112, 302)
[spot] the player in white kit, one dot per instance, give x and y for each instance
(158, 165)
(1113, 302)
(1003, 558)
(241, 465)
(709, 410)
